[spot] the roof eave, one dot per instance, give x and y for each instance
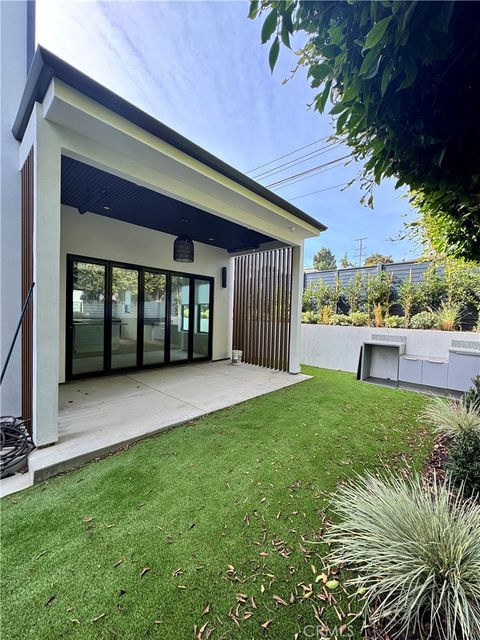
(46, 66)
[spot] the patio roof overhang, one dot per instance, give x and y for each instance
(89, 189)
(166, 179)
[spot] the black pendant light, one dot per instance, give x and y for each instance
(183, 249)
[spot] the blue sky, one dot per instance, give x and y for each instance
(200, 68)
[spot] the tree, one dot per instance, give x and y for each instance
(324, 259)
(388, 69)
(345, 262)
(377, 258)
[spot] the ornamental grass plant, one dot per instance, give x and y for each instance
(451, 417)
(417, 554)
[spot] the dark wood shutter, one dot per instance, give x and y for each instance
(261, 308)
(27, 278)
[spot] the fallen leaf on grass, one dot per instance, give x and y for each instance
(102, 615)
(206, 610)
(177, 572)
(181, 586)
(144, 571)
(332, 584)
(88, 518)
(232, 616)
(119, 562)
(50, 600)
(266, 624)
(280, 600)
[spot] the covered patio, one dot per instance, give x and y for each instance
(98, 416)
(108, 193)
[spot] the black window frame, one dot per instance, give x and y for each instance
(140, 366)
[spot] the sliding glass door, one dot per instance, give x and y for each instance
(87, 317)
(201, 328)
(180, 318)
(154, 318)
(122, 317)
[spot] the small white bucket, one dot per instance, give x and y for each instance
(237, 356)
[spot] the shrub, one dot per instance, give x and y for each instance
(378, 315)
(309, 317)
(315, 296)
(450, 417)
(360, 319)
(395, 322)
(417, 553)
(472, 396)
(431, 289)
(423, 320)
(408, 294)
(353, 292)
(340, 319)
(379, 290)
(463, 465)
(447, 318)
(325, 314)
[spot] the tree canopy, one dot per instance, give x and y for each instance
(324, 259)
(377, 258)
(404, 82)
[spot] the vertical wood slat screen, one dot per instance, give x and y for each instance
(261, 307)
(27, 278)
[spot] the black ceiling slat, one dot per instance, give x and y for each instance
(139, 205)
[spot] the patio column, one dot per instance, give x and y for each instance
(46, 296)
(296, 308)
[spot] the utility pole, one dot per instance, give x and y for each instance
(360, 250)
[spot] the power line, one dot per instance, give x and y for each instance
(287, 154)
(308, 171)
(295, 161)
(289, 184)
(312, 193)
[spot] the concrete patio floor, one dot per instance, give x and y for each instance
(100, 415)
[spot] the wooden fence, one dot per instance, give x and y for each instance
(261, 311)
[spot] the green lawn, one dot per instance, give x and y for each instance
(225, 505)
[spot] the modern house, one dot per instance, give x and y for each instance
(146, 251)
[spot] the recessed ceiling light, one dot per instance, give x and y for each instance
(211, 239)
(183, 220)
(106, 208)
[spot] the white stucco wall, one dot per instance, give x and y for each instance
(96, 236)
(334, 347)
(13, 63)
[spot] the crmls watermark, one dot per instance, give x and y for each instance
(326, 633)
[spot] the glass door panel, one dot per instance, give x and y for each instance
(179, 318)
(154, 318)
(201, 329)
(88, 317)
(124, 317)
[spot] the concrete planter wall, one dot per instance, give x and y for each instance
(336, 347)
